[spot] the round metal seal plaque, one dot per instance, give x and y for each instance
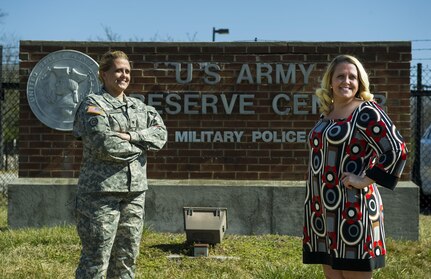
(58, 83)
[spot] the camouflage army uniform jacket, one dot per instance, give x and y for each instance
(111, 164)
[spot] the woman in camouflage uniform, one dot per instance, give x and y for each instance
(116, 131)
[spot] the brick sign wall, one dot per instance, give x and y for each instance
(233, 110)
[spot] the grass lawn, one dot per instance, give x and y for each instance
(54, 252)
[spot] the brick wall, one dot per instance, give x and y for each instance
(45, 152)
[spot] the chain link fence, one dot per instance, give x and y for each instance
(421, 132)
(9, 117)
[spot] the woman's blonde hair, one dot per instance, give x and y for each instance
(107, 61)
(324, 93)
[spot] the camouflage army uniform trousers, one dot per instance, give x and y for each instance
(110, 228)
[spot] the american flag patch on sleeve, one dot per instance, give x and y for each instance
(94, 110)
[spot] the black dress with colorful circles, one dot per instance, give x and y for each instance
(343, 227)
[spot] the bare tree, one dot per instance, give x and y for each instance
(2, 15)
(111, 36)
(192, 38)
(9, 102)
(9, 43)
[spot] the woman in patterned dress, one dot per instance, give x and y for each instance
(353, 147)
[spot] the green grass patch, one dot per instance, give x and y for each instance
(54, 253)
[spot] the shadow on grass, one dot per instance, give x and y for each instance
(179, 248)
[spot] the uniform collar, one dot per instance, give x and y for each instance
(115, 102)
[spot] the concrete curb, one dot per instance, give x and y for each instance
(254, 207)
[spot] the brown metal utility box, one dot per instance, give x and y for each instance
(205, 224)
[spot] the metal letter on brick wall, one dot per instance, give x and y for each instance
(58, 83)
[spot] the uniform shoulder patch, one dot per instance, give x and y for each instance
(94, 110)
(93, 121)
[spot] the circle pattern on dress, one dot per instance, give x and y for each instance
(318, 224)
(373, 205)
(356, 148)
(351, 233)
(386, 159)
(316, 161)
(316, 140)
(376, 130)
(331, 196)
(338, 132)
(366, 115)
(329, 176)
(352, 165)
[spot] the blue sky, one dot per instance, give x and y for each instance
(193, 20)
